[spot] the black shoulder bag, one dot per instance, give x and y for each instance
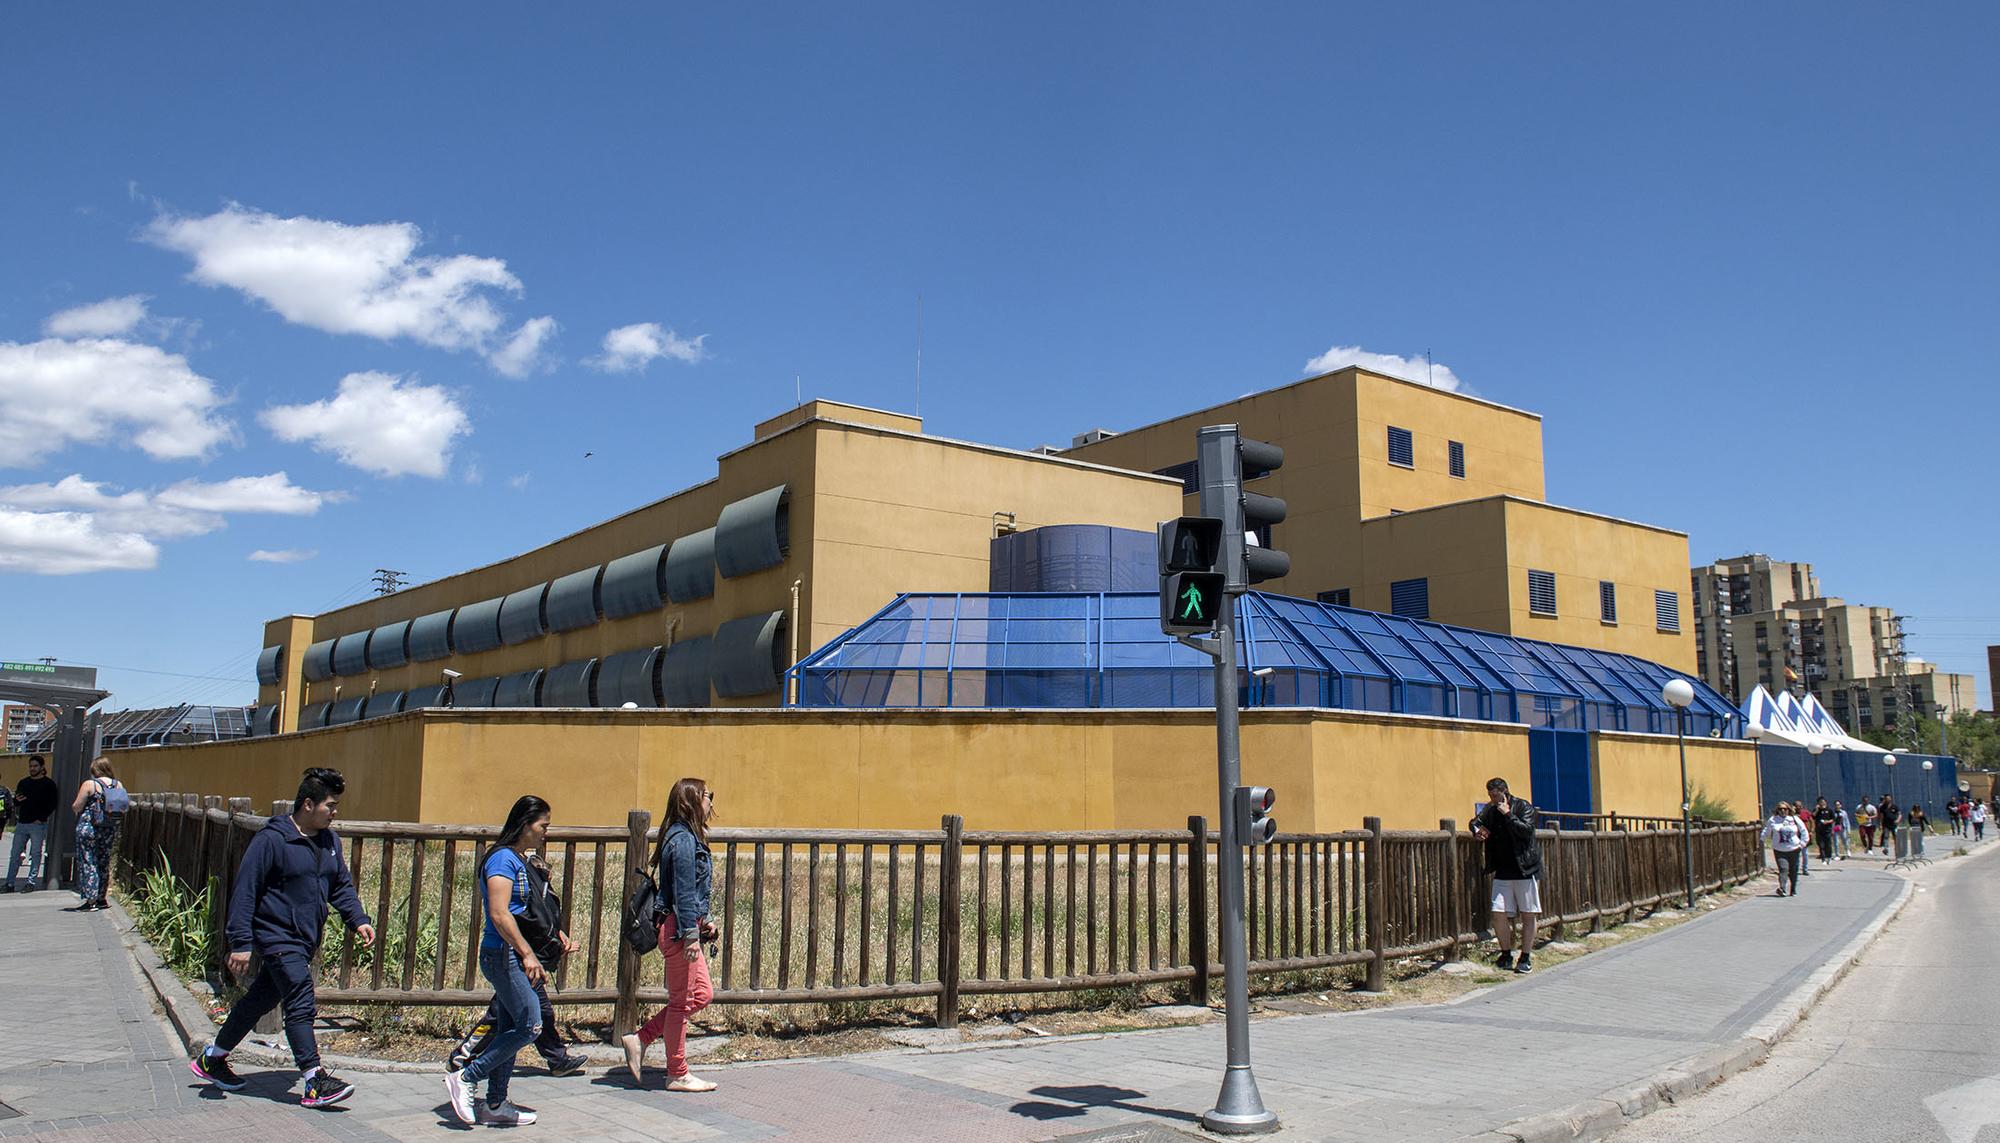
(541, 923)
(644, 907)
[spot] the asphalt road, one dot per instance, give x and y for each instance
(1905, 1048)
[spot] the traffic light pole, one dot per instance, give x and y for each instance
(1239, 1109)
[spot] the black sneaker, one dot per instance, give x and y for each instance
(1525, 965)
(567, 1065)
(1505, 960)
(216, 1070)
(325, 1089)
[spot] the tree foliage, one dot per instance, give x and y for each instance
(1974, 738)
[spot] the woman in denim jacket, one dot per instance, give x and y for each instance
(684, 871)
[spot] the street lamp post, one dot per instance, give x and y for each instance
(1889, 760)
(1679, 693)
(1816, 749)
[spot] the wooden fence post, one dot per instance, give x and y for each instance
(625, 1016)
(951, 925)
(1377, 873)
(1596, 843)
(1454, 905)
(1198, 930)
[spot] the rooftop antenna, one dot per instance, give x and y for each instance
(798, 390)
(1427, 370)
(920, 355)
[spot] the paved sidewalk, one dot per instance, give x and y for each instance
(77, 1040)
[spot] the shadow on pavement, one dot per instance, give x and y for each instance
(1082, 1099)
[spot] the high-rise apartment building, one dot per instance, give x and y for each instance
(1760, 621)
(1993, 674)
(20, 721)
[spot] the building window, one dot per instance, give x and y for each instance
(1607, 601)
(1402, 450)
(1667, 612)
(1457, 450)
(1410, 598)
(1541, 593)
(1338, 597)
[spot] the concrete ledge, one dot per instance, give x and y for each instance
(1685, 1079)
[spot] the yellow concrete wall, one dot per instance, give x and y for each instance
(1503, 447)
(930, 526)
(1582, 549)
(885, 510)
(1460, 548)
(1313, 421)
(1333, 429)
(381, 759)
(1640, 773)
(1053, 770)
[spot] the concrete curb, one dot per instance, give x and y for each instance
(1596, 1118)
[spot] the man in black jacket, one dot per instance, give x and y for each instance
(1514, 858)
(34, 802)
(289, 874)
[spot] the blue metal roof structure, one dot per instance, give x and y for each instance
(1105, 649)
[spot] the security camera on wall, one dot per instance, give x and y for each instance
(452, 676)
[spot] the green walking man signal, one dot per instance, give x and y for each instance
(1191, 603)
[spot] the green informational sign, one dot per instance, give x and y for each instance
(49, 674)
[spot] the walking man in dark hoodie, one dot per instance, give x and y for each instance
(1514, 858)
(290, 872)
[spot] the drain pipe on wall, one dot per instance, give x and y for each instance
(792, 684)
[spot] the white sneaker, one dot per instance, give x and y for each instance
(505, 1115)
(689, 1082)
(461, 1096)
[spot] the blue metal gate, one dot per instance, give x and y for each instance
(1559, 770)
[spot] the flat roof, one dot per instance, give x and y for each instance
(1502, 496)
(1321, 377)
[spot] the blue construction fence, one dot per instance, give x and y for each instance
(1788, 773)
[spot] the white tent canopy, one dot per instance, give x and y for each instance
(1788, 721)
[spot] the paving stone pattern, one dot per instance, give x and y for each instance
(84, 1056)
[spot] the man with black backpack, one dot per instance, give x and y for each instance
(542, 926)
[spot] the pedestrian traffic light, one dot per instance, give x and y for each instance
(1192, 587)
(1222, 456)
(1254, 824)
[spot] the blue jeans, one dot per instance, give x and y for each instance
(519, 1021)
(31, 837)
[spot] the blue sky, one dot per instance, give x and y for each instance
(1743, 262)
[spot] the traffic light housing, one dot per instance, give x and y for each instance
(1192, 586)
(1254, 823)
(1222, 456)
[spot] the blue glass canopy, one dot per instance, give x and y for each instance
(1105, 649)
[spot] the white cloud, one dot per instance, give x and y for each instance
(520, 481)
(365, 279)
(631, 347)
(108, 318)
(73, 507)
(282, 555)
(54, 392)
(69, 543)
(379, 424)
(1408, 368)
(521, 353)
(274, 493)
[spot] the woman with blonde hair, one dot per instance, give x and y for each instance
(99, 807)
(684, 872)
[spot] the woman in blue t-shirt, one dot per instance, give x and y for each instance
(509, 964)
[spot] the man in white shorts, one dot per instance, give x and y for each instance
(1514, 858)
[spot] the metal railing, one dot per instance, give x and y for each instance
(930, 916)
